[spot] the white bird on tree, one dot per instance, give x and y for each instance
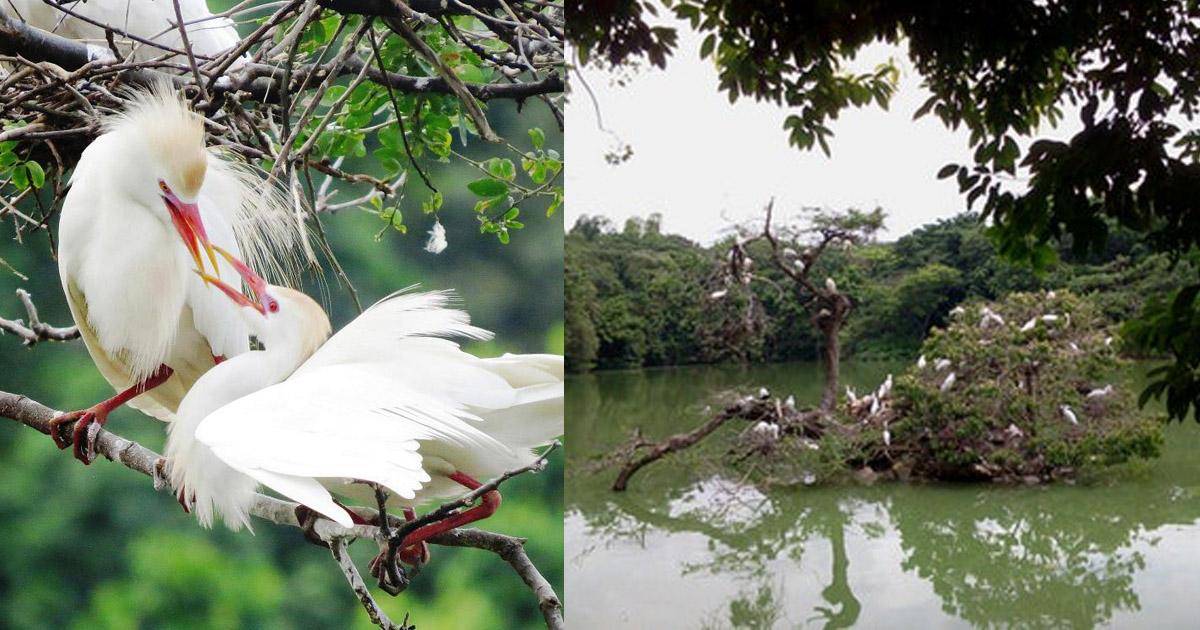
(208, 35)
(948, 382)
(921, 362)
(1066, 412)
(885, 388)
(830, 285)
(1107, 390)
(941, 364)
(390, 401)
(147, 202)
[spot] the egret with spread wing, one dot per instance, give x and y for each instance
(147, 203)
(390, 400)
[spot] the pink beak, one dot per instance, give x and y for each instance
(186, 218)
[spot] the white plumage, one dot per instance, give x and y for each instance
(437, 239)
(830, 285)
(941, 364)
(1029, 325)
(389, 399)
(1068, 414)
(143, 196)
(1107, 390)
(716, 295)
(152, 20)
(885, 388)
(921, 362)
(948, 382)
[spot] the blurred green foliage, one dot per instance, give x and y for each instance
(642, 298)
(96, 547)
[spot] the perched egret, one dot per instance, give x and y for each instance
(851, 395)
(766, 431)
(874, 405)
(148, 202)
(1108, 341)
(885, 388)
(763, 392)
(1107, 390)
(390, 399)
(790, 402)
(716, 295)
(941, 364)
(789, 252)
(1074, 346)
(1050, 318)
(957, 310)
(154, 21)
(1050, 295)
(1029, 325)
(887, 436)
(830, 285)
(1068, 414)
(990, 318)
(948, 383)
(921, 362)
(799, 264)
(1014, 431)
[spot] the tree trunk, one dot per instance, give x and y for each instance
(830, 321)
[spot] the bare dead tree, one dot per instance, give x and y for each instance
(794, 249)
(136, 457)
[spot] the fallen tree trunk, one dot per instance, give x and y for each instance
(670, 445)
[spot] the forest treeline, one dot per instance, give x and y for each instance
(638, 297)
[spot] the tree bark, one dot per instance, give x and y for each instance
(830, 321)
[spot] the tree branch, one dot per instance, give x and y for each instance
(137, 457)
(35, 331)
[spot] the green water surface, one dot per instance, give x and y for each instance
(691, 546)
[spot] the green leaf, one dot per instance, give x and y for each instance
(488, 187)
(538, 137)
(947, 171)
(37, 176)
(706, 48)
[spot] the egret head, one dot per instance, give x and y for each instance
(163, 141)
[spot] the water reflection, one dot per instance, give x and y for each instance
(725, 554)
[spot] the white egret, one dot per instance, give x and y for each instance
(830, 285)
(887, 435)
(146, 200)
(766, 431)
(941, 364)
(957, 310)
(763, 393)
(948, 383)
(790, 402)
(1107, 390)
(1050, 318)
(716, 295)
(921, 362)
(885, 388)
(1108, 341)
(153, 21)
(989, 318)
(851, 395)
(1029, 325)
(799, 264)
(789, 252)
(1068, 414)
(389, 400)
(874, 405)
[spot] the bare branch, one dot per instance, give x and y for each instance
(36, 330)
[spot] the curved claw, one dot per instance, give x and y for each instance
(83, 436)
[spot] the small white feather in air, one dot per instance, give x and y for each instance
(437, 239)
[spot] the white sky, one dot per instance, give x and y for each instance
(696, 157)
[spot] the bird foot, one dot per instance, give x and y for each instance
(396, 580)
(88, 423)
(308, 521)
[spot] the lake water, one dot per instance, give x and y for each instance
(690, 547)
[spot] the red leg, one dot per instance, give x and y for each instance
(488, 504)
(417, 554)
(98, 414)
(354, 517)
(218, 359)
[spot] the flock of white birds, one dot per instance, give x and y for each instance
(154, 231)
